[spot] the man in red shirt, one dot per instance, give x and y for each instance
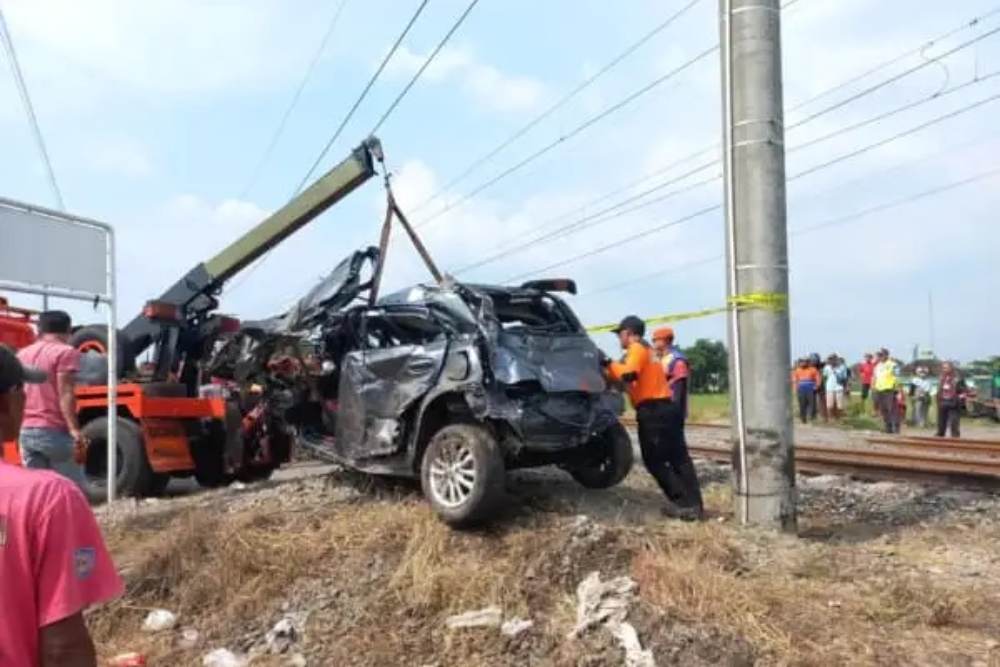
(866, 369)
(50, 432)
(53, 562)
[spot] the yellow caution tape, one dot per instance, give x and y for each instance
(772, 301)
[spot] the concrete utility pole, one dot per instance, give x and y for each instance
(757, 263)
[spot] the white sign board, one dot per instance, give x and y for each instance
(54, 254)
(38, 249)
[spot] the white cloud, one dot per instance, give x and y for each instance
(120, 156)
(488, 85)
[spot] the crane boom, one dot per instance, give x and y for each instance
(194, 292)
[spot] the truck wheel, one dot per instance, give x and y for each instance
(94, 338)
(612, 462)
(134, 476)
(462, 474)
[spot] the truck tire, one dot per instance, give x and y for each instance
(462, 474)
(611, 465)
(134, 477)
(94, 338)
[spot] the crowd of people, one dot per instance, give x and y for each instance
(823, 390)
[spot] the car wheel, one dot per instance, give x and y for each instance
(611, 464)
(462, 474)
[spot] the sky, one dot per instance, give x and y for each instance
(157, 115)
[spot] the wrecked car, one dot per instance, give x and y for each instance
(453, 384)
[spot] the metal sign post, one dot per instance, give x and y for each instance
(54, 254)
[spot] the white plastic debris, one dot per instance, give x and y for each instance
(188, 639)
(281, 637)
(491, 617)
(515, 626)
(159, 620)
(237, 486)
(606, 603)
(628, 639)
(222, 657)
(601, 601)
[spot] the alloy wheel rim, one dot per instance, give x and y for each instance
(453, 473)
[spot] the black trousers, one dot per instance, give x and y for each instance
(665, 452)
(948, 419)
(807, 404)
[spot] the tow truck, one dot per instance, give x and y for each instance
(173, 421)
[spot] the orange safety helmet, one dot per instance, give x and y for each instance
(664, 333)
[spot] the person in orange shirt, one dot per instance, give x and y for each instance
(660, 420)
(805, 379)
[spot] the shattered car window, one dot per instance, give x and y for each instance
(393, 329)
(533, 312)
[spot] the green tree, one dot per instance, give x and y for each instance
(709, 363)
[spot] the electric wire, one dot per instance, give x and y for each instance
(249, 271)
(714, 147)
(611, 212)
(572, 133)
(975, 21)
(811, 170)
(280, 129)
(29, 109)
(362, 96)
(893, 79)
(840, 186)
(560, 103)
(430, 58)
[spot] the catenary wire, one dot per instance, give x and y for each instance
(427, 62)
(714, 147)
(893, 79)
(611, 212)
(975, 21)
(340, 128)
(362, 96)
(560, 103)
(280, 129)
(817, 195)
(572, 133)
(806, 172)
(29, 109)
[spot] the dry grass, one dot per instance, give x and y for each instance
(804, 604)
(381, 576)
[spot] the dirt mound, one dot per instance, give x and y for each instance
(363, 574)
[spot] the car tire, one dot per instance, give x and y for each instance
(462, 474)
(134, 477)
(612, 465)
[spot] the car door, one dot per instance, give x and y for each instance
(403, 350)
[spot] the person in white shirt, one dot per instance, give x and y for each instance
(923, 391)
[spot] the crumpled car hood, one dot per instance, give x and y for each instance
(558, 362)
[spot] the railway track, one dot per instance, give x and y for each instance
(920, 459)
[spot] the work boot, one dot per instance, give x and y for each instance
(692, 487)
(672, 510)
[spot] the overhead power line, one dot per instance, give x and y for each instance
(560, 103)
(280, 129)
(975, 21)
(574, 132)
(361, 97)
(29, 110)
(715, 147)
(831, 222)
(798, 175)
(616, 210)
(893, 79)
(812, 196)
(427, 62)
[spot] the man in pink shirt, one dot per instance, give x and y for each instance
(53, 562)
(50, 433)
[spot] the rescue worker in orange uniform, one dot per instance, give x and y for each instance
(660, 421)
(675, 366)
